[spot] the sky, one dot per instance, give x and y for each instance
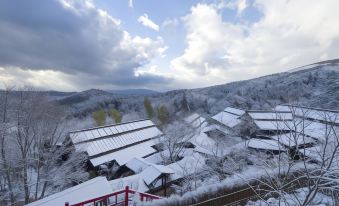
(74, 45)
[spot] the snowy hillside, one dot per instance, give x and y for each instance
(314, 85)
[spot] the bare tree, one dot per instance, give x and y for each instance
(4, 135)
(192, 172)
(311, 163)
(32, 130)
(176, 137)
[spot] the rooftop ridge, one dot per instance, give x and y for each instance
(267, 111)
(236, 108)
(115, 135)
(232, 113)
(109, 125)
(314, 108)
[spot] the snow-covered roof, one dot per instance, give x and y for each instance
(282, 108)
(292, 139)
(316, 130)
(152, 172)
(137, 164)
(90, 189)
(108, 130)
(270, 115)
(264, 144)
(154, 158)
(104, 142)
(272, 125)
(122, 156)
(203, 140)
(230, 117)
(141, 181)
(235, 111)
(187, 166)
(311, 113)
(322, 152)
(204, 150)
(196, 120)
(99, 146)
(227, 119)
(192, 117)
(134, 182)
(312, 152)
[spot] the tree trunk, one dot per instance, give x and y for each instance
(26, 186)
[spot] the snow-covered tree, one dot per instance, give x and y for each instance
(313, 168)
(32, 130)
(175, 139)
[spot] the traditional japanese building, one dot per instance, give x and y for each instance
(117, 143)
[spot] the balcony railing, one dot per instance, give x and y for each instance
(124, 197)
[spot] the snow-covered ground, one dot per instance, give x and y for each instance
(93, 188)
(293, 199)
(222, 159)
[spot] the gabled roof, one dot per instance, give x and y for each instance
(147, 171)
(195, 120)
(272, 125)
(270, 115)
(94, 133)
(187, 166)
(264, 144)
(293, 139)
(314, 153)
(137, 164)
(153, 171)
(93, 188)
(230, 117)
(271, 120)
(134, 182)
(103, 144)
(324, 115)
(236, 111)
(122, 156)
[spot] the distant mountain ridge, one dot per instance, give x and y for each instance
(331, 63)
(134, 92)
(314, 85)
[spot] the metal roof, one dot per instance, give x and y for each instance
(107, 131)
(230, 117)
(101, 141)
(267, 115)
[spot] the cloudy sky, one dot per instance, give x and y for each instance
(74, 45)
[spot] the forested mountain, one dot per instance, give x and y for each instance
(315, 85)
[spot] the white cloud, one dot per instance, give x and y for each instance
(42, 79)
(239, 5)
(289, 34)
(147, 22)
(170, 23)
(207, 39)
(130, 4)
(87, 43)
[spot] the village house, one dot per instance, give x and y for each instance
(118, 143)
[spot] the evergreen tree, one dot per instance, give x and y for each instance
(99, 117)
(163, 114)
(149, 108)
(184, 104)
(115, 114)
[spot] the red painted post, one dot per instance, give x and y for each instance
(126, 195)
(66, 204)
(141, 197)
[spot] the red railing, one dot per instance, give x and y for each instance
(122, 197)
